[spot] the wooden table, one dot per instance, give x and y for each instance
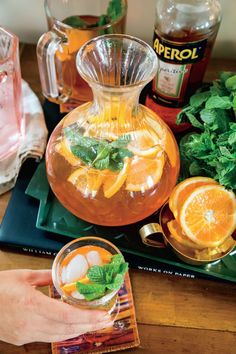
(174, 315)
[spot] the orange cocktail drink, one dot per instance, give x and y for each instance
(88, 273)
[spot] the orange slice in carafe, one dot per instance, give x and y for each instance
(63, 149)
(144, 173)
(115, 181)
(87, 180)
(144, 143)
(167, 141)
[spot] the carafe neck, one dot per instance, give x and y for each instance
(117, 105)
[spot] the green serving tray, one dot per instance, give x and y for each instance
(53, 217)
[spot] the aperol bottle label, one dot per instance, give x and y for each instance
(175, 63)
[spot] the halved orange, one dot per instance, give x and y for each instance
(177, 233)
(115, 181)
(144, 143)
(87, 180)
(63, 149)
(208, 215)
(183, 189)
(144, 173)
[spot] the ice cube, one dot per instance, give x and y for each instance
(76, 268)
(77, 295)
(93, 258)
(63, 275)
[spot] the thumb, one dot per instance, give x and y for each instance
(39, 277)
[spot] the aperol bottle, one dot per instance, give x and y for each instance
(113, 161)
(184, 35)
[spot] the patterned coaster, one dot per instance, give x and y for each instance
(123, 334)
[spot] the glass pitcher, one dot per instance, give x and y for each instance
(113, 161)
(72, 23)
(11, 112)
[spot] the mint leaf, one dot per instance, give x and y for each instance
(230, 83)
(211, 152)
(207, 115)
(194, 121)
(98, 153)
(223, 102)
(106, 277)
(109, 273)
(96, 274)
(114, 9)
(94, 296)
(91, 291)
(116, 283)
(199, 98)
(90, 288)
(232, 138)
(123, 268)
(117, 259)
(75, 21)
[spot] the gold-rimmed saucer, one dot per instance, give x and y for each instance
(158, 235)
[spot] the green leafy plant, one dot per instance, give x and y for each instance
(99, 153)
(211, 150)
(104, 278)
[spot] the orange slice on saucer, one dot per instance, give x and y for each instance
(208, 215)
(183, 189)
(177, 233)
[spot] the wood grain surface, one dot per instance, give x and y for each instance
(174, 314)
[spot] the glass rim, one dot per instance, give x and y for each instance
(71, 299)
(91, 29)
(127, 87)
(13, 46)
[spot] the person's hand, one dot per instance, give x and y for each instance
(27, 315)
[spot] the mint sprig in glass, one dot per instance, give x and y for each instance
(97, 285)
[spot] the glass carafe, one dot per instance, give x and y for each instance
(113, 161)
(12, 122)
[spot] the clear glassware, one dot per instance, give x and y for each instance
(12, 122)
(57, 48)
(109, 300)
(113, 161)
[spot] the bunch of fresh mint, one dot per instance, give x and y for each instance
(104, 278)
(99, 153)
(211, 150)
